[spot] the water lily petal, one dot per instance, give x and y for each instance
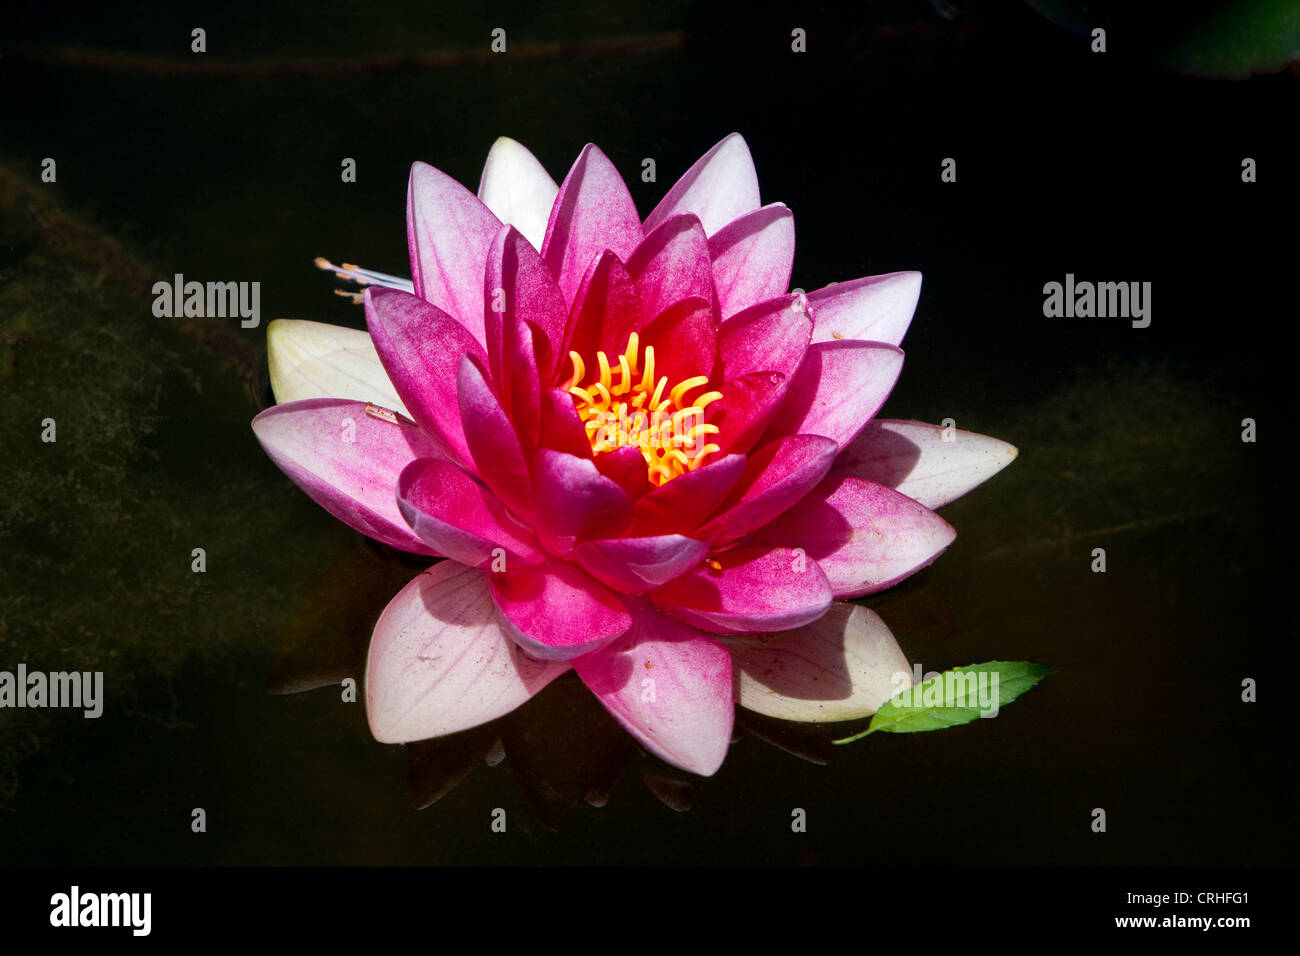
(915, 459)
(606, 311)
(671, 264)
(493, 442)
(592, 213)
(684, 338)
(627, 468)
(519, 288)
(671, 687)
(460, 518)
(752, 258)
(561, 426)
(517, 189)
(769, 337)
(747, 407)
(682, 505)
(747, 590)
(776, 476)
(440, 663)
(317, 360)
(865, 537)
(421, 348)
(720, 187)
(837, 390)
(872, 309)
(556, 611)
(632, 565)
(575, 502)
(449, 232)
(347, 461)
(842, 666)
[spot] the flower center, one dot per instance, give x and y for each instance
(626, 406)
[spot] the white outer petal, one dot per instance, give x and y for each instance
(439, 661)
(316, 360)
(518, 189)
(841, 667)
(913, 459)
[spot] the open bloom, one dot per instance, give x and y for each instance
(643, 457)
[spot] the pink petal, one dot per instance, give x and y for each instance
(842, 666)
(776, 477)
(557, 612)
(459, 517)
(493, 442)
(519, 288)
(449, 233)
(421, 348)
(627, 468)
(682, 504)
(561, 426)
(837, 390)
(747, 407)
(632, 565)
(872, 309)
(752, 258)
(440, 663)
(672, 263)
(769, 337)
(347, 461)
(517, 189)
(751, 589)
(671, 687)
(684, 338)
(593, 212)
(720, 187)
(575, 502)
(914, 459)
(865, 536)
(605, 313)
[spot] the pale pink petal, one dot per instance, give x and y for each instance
(347, 460)
(592, 213)
(316, 360)
(871, 309)
(460, 518)
(421, 348)
(671, 687)
(518, 189)
(776, 476)
(556, 611)
(720, 187)
(440, 663)
(917, 459)
(748, 590)
(865, 536)
(837, 390)
(752, 258)
(449, 232)
(632, 565)
(842, 666)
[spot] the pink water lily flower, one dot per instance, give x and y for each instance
(642, 456)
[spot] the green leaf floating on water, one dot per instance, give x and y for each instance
(954, 697)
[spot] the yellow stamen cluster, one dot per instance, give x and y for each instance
(624, 405)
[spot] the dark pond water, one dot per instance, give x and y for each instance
(226, 165)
